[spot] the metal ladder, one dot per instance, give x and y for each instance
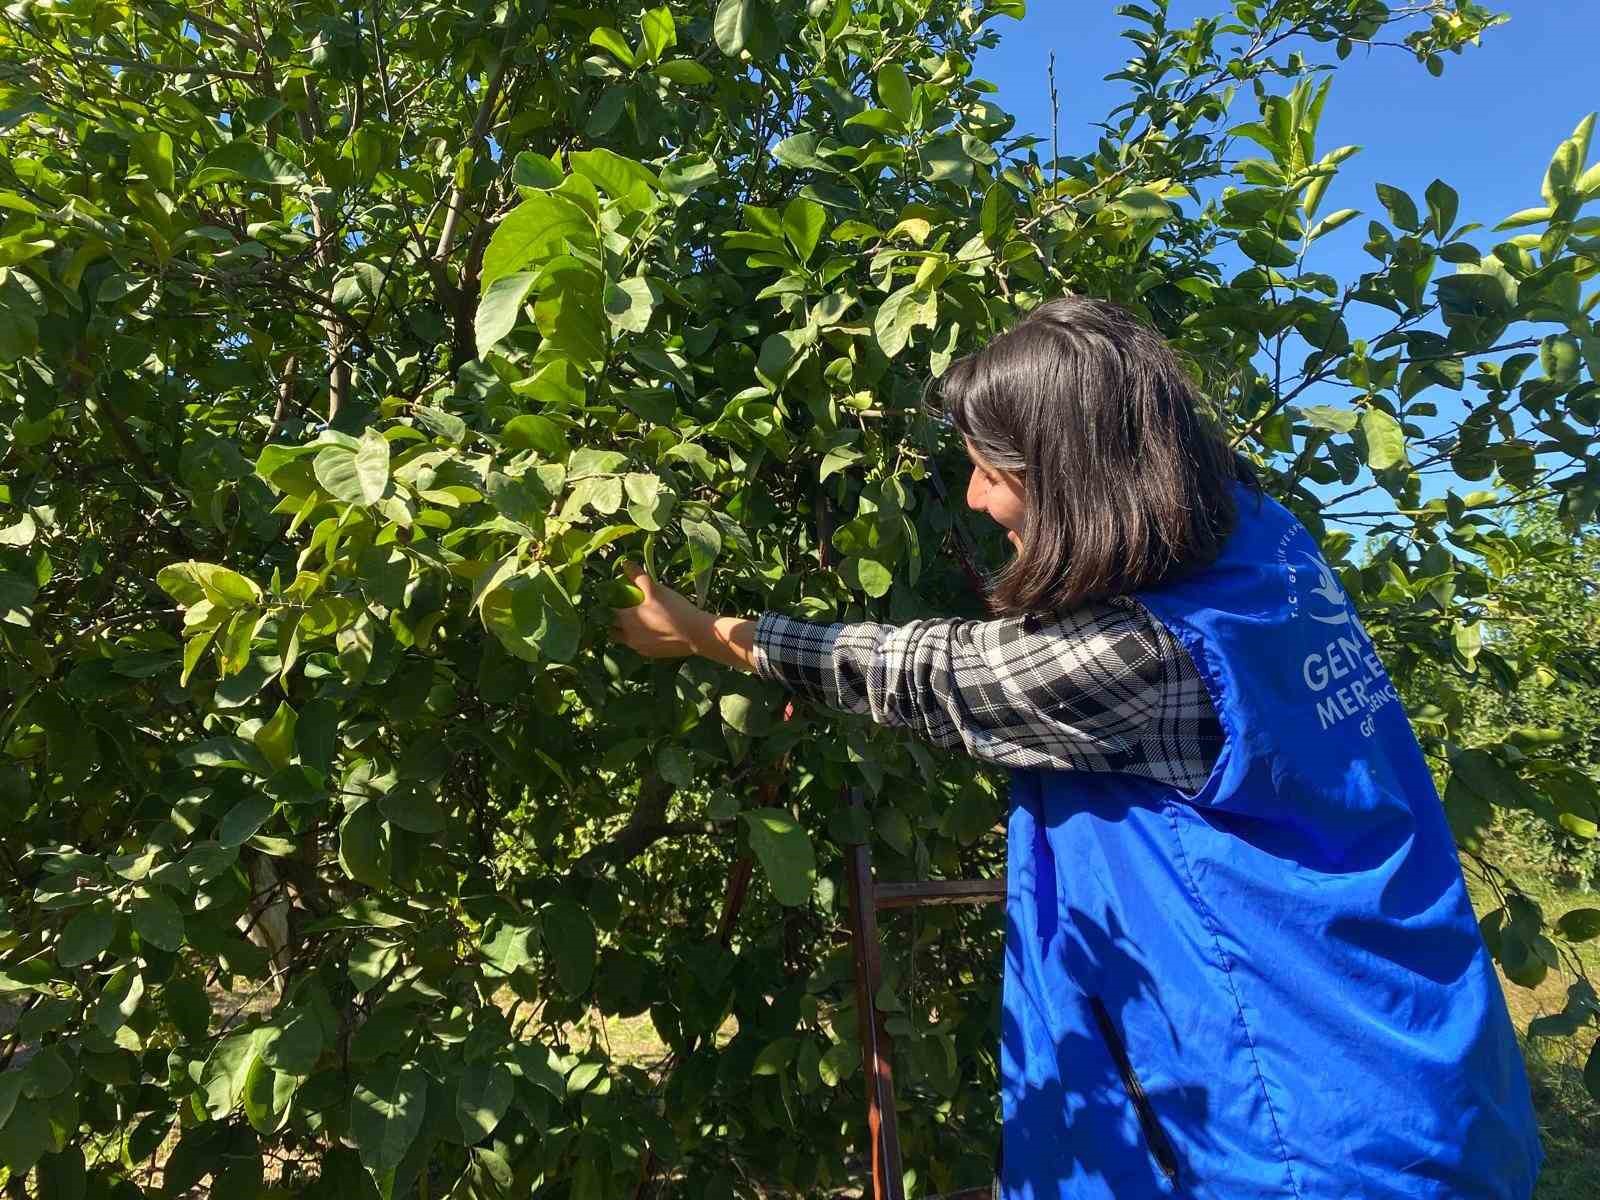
(866, 897)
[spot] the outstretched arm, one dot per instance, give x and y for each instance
(1102, 688)
(668, 625)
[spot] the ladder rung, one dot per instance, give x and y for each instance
(938, 891)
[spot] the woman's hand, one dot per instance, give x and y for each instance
(664, 625)
(667, 625)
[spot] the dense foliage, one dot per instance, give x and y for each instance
(1543, 624)
(343, 349)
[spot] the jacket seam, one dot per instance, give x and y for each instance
(1238, 1002)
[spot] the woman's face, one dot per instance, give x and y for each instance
(1000, 494)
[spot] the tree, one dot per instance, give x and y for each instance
(1535, 644)
(346, 348)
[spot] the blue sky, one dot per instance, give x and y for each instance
(1487, 126)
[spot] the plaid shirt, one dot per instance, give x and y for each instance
(1105, 687)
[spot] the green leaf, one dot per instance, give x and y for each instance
(266, 1097)
(734, 23)
(1386, 441)
(569, 936)
(685, 176)
(500, 308)
(153, 150)
(275, 739)
(1266, 249)
(410, 807)
(895, 828)
(838, 1063)
(364, 846)
(588, 460)
(1526, 217)
(1561, 176)
(803, 223)
(222, 1079)
(880, 120)
(118, 1001)
(293, 1043)
(849, 826)
(482, 1098)
(802, 151)
(629, 303)
(610, 39)
(156, 920)
(386, 1112)
(1402, 209)
(739, 711)
(1591, 1071)
(16, 591)
(659, 31)
(1578, 826)
(998, 212)
(1325, 416)
(900, 313)
(533, 233)
(1142, 204)
(190, 582)
(357, 477)
(894, 91)
(47, 1074)
(358, 288)
(239, 823)
(945, 160)
(369, 963)
(705, 544)
(188, 1007)
(1580, 924)
(86, 935)
(675, 765)
(535, 170)
(245, 160)
(780, 355)
(506, 947)
(1332, 221)
(1561, 358)
(10, 1093)
(532, 432)
(534, 617)
(1443, 203)
(649, 505)
(784, 852)
(870, 576)
(687, 73)
(613, 174)
(1478, 782)
(25, 1137)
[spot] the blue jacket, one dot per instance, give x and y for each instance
(1274, 986)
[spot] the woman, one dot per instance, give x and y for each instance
(1240, 959)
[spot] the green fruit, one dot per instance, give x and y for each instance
(622, 594)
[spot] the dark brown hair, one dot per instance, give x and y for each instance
(1128, 479)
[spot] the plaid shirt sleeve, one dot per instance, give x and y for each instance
(1105, 687)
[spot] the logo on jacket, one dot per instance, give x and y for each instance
(1341, 672)
(1328, 589)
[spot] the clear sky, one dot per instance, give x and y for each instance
(1487, 126)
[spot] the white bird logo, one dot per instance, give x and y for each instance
(1328, 588)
